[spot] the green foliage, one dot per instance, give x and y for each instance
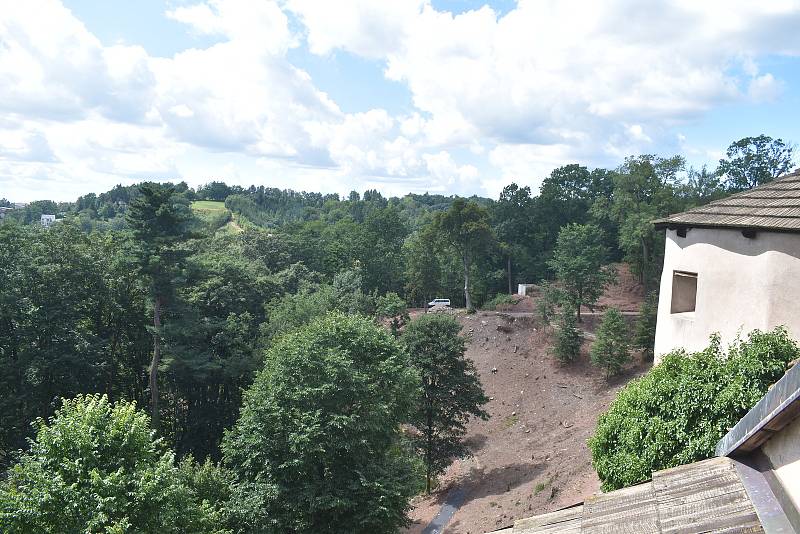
(568, 338)
(578, 263)
(423, 266)
(644, 334)
(513, 222)
(452, 391)
(610, 350)
(95, 467)
(316, 446)
(391, 306)
(753, 161)
(501, 299)
(465, 226)
(645, 187)
(71, 321)
(159, 219)
(678, 412)
(550, 297)
(297, 309)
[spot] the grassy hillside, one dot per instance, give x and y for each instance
(208, 205)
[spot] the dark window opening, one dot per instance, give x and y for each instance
(684, 292)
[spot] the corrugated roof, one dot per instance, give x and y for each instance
(772, 206)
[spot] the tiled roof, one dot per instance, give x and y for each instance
(772, 206)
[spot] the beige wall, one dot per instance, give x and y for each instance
(783, 451)
(742, 284)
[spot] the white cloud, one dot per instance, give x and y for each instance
(364, 27)
(262, 25)
(558, 73)
(765, 88)
(495, 97)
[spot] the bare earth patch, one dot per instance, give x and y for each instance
(531, 456)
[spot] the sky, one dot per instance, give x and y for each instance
(446, 96)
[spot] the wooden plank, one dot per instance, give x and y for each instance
(705, 496)
(567, 521)
(627, 511)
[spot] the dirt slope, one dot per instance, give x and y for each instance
(531, 456)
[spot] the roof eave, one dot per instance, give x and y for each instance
(661, 224)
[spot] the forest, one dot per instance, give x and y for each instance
(185, 317)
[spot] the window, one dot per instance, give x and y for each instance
(684, 291)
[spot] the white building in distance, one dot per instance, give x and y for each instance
(48, 220)
(730, 267)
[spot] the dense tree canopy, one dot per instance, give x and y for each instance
(331, 397)
(205, 287)
(95, 467)
(465, 226)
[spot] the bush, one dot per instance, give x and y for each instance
(568, 337)
(501, 299)
(678, 412)
(644, 334)
(95, 467)
(610, 350)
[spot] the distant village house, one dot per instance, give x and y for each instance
(730, 267)
(48, 220)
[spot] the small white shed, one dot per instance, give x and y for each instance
(731, 266)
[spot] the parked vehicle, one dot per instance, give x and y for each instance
(439, 302)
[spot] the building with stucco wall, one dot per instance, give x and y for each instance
(730, 267)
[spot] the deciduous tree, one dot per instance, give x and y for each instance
(95, 467)
(578, 262)
(753, 161)
(316, 445)
(465, 225)
(452, 391)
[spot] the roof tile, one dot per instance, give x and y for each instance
(772, 206)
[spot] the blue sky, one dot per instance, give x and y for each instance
(450, 96)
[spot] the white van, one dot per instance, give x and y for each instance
(439, 302)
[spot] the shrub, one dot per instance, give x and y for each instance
(678, 412)
(501, 299)
(95, 467)
(610, 350)
(568, 337)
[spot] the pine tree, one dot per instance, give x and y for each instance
(610, 350)
(159, 219)
(645, 331)
(568, 337)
